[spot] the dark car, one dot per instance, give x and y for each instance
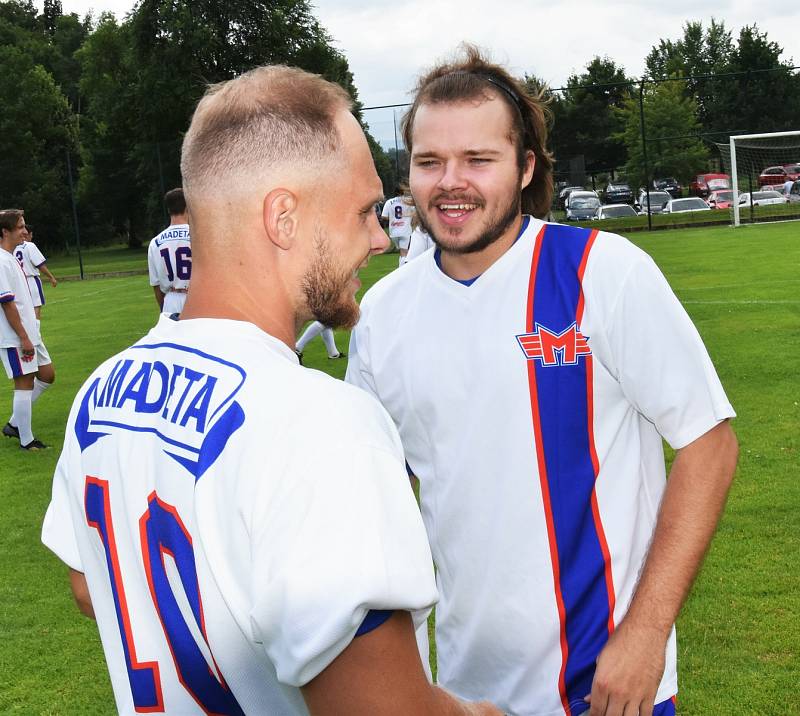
(564, 194)
(582, 205)
(703, 184)
(618, 193)
(779, 174)
(669, 185)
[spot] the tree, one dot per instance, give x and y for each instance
(36, 131)
(767, 97)
(110, 187)
(587, 121)
(671, 125)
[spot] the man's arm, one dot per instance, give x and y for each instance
(43, 267)
(159, 294)
(381, 673)
(15, 321)
(80, 590)
(630, 667)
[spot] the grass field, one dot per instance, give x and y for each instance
(739, 634)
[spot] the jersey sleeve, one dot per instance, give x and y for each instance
(153, 264)
(663, 365)
(7, 281)
(359, 371)
(35, 256)
(359, 545)
(386, 207)
(58, 531)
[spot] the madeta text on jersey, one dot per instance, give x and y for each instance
(172, 235)
(181, 396)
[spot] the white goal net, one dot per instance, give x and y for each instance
(764, 172)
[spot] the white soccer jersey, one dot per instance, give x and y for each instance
(531, 406)
(399, 214)
(419, 243)
(29, 257)
(169, 260)
(14, 287)
(227, 562)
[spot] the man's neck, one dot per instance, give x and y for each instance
(178, 219)
(463, 267)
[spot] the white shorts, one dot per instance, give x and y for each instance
(37, 293)
(16, 367)
(402, 242)
(173, 301)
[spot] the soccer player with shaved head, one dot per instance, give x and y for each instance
(230, 568)
(540, 366)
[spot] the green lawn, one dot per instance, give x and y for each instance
(739, 634)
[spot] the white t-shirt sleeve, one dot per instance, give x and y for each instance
(663, 366)
(359, 546)
(359, 371)
(386, 207)
(7, 282)
(153, 263)
(58, 531)
(35, 256)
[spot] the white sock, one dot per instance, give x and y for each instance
(22, 415)
(39, 386)
(311, 332)
(330, 342)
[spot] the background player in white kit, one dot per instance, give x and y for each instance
(532, 370)
(169, 256)
(33, 264)
(230, 568)
(22, 351)
(314, 329)
(396, 214)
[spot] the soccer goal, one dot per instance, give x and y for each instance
(760, 166)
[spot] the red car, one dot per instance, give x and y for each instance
(703, 184)
(722, 199)
(779, 174)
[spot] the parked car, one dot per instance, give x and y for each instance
(669, 185)
(762, 198)
(614, 211)
(618, 193)
(564, 194)
(688, 205)
(658, 200)
(722, 199)
(703, 184)
(582, 205)
(779, 174)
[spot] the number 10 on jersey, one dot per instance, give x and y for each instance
(161, 532)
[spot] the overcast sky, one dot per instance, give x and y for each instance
(387, 43)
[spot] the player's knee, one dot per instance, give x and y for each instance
(47, 374)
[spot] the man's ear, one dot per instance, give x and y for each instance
(530, 166)
(280, 217)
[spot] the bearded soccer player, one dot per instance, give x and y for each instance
(540, 367)
(231, 569)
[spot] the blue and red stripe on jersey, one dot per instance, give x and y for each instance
(562, 413)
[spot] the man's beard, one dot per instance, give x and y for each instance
(326, 289)
(496, 228)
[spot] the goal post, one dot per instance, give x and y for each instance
(746, 156)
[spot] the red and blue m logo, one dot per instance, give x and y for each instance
(551, 348)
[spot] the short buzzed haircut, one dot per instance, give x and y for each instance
(251, 126)
(9, 218)
(175, 202)
(472, 77)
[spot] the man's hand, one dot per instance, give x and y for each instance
(53, 281)
(27, 350)
(629, 670)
